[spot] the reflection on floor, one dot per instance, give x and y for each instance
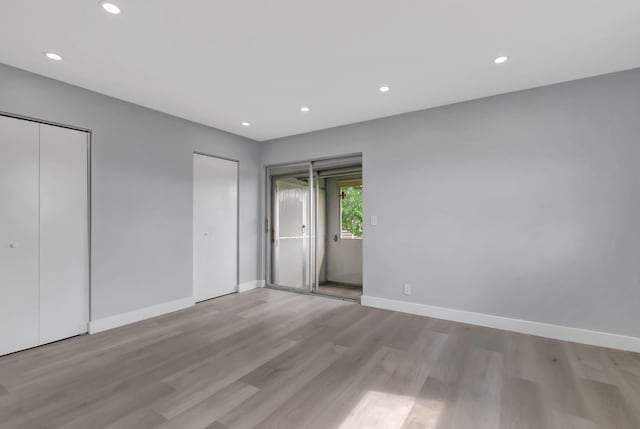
(347, 291)
(273, 359)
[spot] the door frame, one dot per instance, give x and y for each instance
(89, 133)
(267, 253)
(224, 158)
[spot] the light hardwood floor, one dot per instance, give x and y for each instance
(272, 359)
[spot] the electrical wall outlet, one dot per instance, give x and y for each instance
(407, 289)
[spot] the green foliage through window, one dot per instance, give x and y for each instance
(351, 210)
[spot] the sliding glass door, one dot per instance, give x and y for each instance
(308, 251)
(291, 229)
(291, 232)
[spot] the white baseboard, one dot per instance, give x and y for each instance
(243, 287)
(577, 335)
(111, 322)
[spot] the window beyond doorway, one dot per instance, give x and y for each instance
(350, 193)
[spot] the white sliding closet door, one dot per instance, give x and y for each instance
(44, 251)
(215, 227)
(64, 251)
(18, 235)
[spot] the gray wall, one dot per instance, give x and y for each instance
(525, 205)
(141, 190)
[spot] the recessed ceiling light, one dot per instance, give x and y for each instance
(501, 60)
(384, 88)
(53, 56)
(245, 124)
(304, 109)
(110, 7)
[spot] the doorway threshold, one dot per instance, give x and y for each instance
(312, 293)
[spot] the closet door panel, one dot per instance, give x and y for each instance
(64, 265)
(215, 226)
(18, 234)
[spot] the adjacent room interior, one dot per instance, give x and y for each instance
(331, 215)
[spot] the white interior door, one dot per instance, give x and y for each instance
(18, 235)
(64, 244)
(215, 227)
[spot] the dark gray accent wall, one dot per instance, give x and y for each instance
(524, 205)
(141, 189)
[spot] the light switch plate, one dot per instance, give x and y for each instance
(374, 220)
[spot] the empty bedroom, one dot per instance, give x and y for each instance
(319, 215)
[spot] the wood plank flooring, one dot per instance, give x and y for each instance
(273, 359)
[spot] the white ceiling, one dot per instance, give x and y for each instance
(222, 62)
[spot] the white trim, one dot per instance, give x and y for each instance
(253, 284)
(111, 322)
(566, 333)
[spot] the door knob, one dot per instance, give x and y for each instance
(13, 245)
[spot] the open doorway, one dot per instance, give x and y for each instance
(340, 229)
(315, 227)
